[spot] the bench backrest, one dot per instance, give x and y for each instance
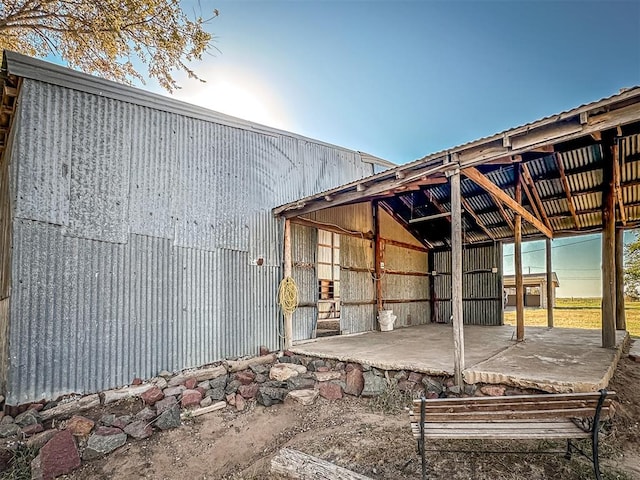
(520, 407)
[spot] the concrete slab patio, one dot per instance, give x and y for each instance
(552, 360)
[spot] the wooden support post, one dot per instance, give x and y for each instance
(621, 319)
(550, 287)
(456, 278)
(608, 252)
(288, 317)
(518, 261)
(379, 255)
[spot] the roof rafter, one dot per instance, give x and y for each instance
(567, 188)
(482, 181)
(526, 175)
(616, 182)
(470, 211)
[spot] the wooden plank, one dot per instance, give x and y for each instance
(297, 465)
(456, 279)
(608, 251)
(550, 288)
(288, 317)
(518, 398)
(520, 406)
(621, 319)
(330, 228)
(479, 222)
(512, 415)
(408, 246)
(616, 180)
(534, 206)
(379, 255)
(536, 195)
(482, 181)
(567, 188)
(503, 213)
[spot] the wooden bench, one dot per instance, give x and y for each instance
(523, 417)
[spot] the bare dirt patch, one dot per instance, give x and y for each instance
(359, 436)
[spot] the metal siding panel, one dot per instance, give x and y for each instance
(154, 159)
(404, 260)
(357, 318)
(42, 152)
(4, 342)
(100, 156)
(390, 228)
(416, 313)
(356, 252)
(404, 287)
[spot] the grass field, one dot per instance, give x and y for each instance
(576, 313)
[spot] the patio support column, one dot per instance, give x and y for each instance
(550, 287)
(621, 319)
(456, 278)
(378, 255)
(608, 250)
(517, 251)
(288, 317)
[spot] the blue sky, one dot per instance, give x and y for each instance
(404, 79)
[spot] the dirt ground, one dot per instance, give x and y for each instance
(360, 436)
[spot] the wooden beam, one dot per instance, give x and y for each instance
(608, 253)
(378, 254)
(617, 181)
(502, 211)
(408, 246)
(330, 228)
(479, 222)
(518, 263)
(497, 192)
(532, 202)
(534, 191)
(402, 222)
(621, 319)
(550, 288)
(288, 317)
(289, 463)
(456, 279)
(567, 189)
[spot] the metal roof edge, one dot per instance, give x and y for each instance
(443, 156)
(20, 65)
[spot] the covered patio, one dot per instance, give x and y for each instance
(561, 360)
(425, 240)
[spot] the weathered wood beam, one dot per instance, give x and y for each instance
(621, 318)
(288, 264)
(518, 263)
(615, 153)
(567, 189)
(502, 211)
(408, 246)
(378, 254)
(534, 206)
(497, 192)
(608, 253)
(289, 463)
(479, 222)
(456, 279)
(534, 191)
(550, 288)
(330, 228)
(402, 222)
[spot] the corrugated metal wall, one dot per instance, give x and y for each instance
(304, 245)
(136, 238)
(405, 283)
(481, 289)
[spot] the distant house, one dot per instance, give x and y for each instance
(535, 289)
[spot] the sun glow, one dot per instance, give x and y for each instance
(235, 94)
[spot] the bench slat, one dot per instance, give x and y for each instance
(549, 397)
(512, 415)
(504, 430)
(489, 407)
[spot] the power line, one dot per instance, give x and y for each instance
(554, 246)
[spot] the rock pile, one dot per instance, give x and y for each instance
(64, 437)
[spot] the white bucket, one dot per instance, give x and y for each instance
(386, 319)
